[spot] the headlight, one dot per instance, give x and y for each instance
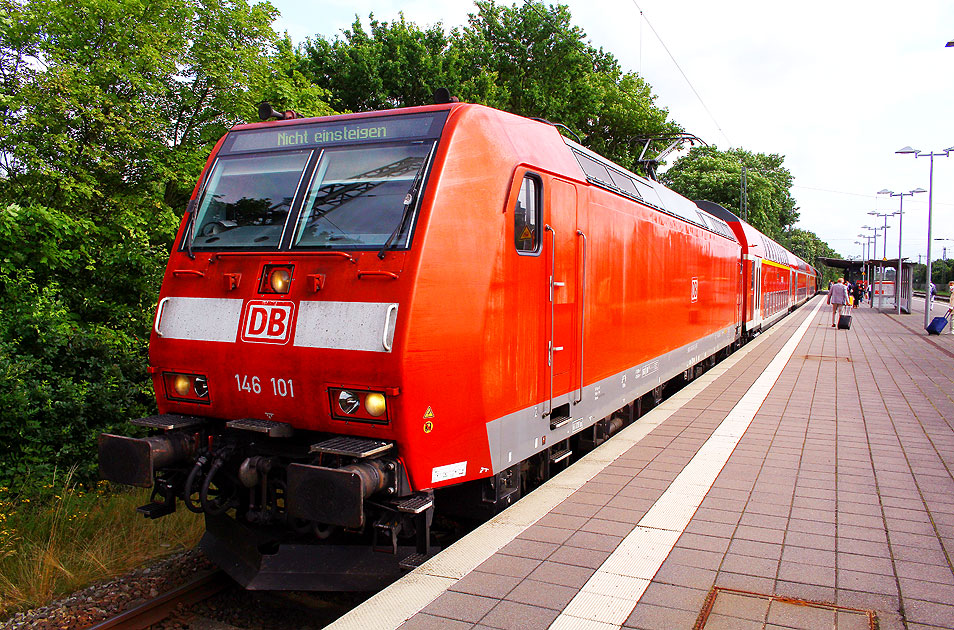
(279, 280)
(182, 384)
(375, 404)
(358, 405)
(348, 402)
(276, 279)
(186, 387)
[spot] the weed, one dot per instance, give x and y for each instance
(70, 536)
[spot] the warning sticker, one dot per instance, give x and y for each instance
(429, 413)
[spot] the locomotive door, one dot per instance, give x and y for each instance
(561, 247)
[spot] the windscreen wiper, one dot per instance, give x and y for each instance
(190, 210)
(409, 201)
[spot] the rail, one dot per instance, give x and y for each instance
(159, 608)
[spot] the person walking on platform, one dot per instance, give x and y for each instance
(859, 294)
(837, 297)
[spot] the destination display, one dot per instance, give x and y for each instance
(377, 129)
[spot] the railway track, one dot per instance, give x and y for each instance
(161, 607)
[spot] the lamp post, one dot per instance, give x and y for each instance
(872, 253)
(884, 255)
(901, 196)
(927, 278)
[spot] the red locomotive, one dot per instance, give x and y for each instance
(370, 315)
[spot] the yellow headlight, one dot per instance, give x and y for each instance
(375, 404)
(279, 280)
(182, 384)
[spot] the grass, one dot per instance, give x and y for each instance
(70, 537)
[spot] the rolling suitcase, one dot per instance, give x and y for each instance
(844, 322)
(936, 326)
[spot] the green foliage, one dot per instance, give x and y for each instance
(528, 59)
(108, 111)
(807, 246)
(942, 272)
(713, 175)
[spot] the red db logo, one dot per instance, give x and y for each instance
(268, 322)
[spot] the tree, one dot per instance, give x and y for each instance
(714, 175)
(528, 59)
(108, 111)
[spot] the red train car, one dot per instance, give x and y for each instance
(370, 315)
(774, 280)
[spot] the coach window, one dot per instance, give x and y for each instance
(526, 216)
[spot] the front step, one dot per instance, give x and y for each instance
(268, 427)
(168, 421)
(361, 448)
(413, 561)
(414, 504)
(156, 510)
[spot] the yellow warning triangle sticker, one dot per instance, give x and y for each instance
(527, 234)
(429, 413)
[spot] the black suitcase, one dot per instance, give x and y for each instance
(936, 326)
(844, 322)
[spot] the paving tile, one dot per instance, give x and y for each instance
(868, 564)
(743, 582)
(672, 596)
(542, 533)
(918, 571)
(867, 582)
(423, 621)
(509, 615)
(652, 617)
(803, 555)
(749, 565)
(591, 540)
(460, 606)
(485, 584)
(562, 574)
(509, 566)
(927, 591)
(563, 521)
(807, 574)
(716, 544)
(536, 593)
(579, 557)
(934, 613)
(603, 526)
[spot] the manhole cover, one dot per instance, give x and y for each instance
(727, 608)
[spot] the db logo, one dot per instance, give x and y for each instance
(268, 322)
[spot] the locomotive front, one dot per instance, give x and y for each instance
(273, 353)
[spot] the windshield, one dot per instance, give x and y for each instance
(358, 196)
(349, 183)
(247, 200)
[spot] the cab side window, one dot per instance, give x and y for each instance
(526, 216)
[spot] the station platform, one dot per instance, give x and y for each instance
(803, 483)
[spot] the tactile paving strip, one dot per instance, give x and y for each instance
(728, 608)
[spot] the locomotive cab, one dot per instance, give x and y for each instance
(273, 350)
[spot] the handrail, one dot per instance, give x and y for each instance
(582, 294)
(392, 308)
(549, 407)
(382, 274)
(162, 304)
(286, 252)
(188, 272)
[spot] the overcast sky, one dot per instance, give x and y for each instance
(835, 86)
